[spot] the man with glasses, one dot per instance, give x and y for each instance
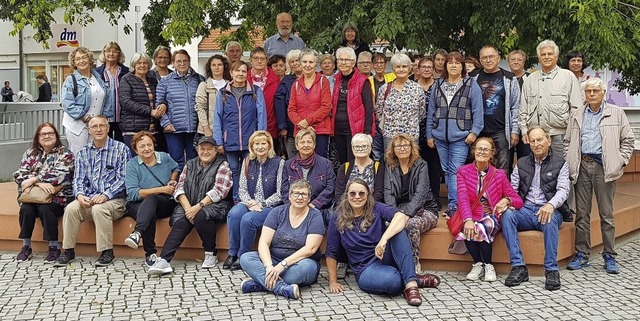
(542, 181)
(99, 189)
(283, 41)
(501, 102)
(364, 63)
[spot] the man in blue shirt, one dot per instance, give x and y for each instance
(283, 41)
(542, 181)
(99, 188)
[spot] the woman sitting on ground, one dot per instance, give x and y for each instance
(288, 251)
(481, 223)
(204, 200)
(47, 165)
(260, 192)
(406, 187)
(360, 229)
(151, 180)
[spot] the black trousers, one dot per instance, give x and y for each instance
(182, 227)
(48, 214)
(343, 148)
(146, 213)
(430, 155)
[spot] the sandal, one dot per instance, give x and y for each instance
(412, 295)
(427, 280)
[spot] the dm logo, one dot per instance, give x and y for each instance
(68, 39)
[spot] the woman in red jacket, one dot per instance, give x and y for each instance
(481, 218)
(310, 102)
(265, 78)
(352, 104)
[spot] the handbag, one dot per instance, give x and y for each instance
(35, 195)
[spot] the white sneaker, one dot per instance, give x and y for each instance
(210, 260)
(489, 273)
(476, 272)
(161, 267)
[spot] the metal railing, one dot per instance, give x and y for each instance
(18, 121)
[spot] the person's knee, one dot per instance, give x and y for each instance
(508, 217)
(247, 258)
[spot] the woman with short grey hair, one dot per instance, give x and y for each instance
(137, 93)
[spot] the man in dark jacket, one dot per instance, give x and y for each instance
(542, 180)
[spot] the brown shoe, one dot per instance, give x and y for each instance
(412, 295)
(428, 280)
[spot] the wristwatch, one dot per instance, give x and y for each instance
(284, 264)
(201, 205)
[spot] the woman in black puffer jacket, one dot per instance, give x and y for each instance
(137, 93)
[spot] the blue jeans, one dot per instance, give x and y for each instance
(393, 272)
(179, 144)
(378, 147)
(526, 219)
(322, 145)
(304, 272)
(452, 156)
(243, 225)
(235, 159)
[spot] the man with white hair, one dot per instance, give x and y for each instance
(283, 41)
(548, 97)
(598, 144)
(233, 51)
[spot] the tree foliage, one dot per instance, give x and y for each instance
(608, 31)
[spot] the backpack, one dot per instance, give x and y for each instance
(376, 164)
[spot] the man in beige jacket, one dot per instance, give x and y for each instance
(597, 146)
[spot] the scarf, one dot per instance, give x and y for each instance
(304, 163)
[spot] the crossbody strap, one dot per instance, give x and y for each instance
(154, 175)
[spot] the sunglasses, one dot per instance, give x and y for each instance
(360, 194)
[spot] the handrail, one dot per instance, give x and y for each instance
(18, 121)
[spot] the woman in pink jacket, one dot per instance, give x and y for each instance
(310, 102)
(481, 222)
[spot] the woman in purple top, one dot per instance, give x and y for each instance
(359, 229)
(288, 251)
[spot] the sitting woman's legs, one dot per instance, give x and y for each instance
(304, 272)
(420, 223)
(393, 272)
(206, 230)
(181, 228)
(252, 265)
(249, 226)
(233, 227)
(149, 211)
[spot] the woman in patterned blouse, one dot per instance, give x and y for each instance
(259, 192)
(47, 165)
(400, 104)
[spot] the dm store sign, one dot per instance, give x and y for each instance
(66, 37)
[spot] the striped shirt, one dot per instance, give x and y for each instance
(101, 170)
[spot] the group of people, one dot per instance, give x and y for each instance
(258, 149)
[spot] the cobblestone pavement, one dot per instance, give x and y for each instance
(123, 291)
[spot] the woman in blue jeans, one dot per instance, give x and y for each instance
(288, 251)
(379, 255)
(259, 193)
(455, 118)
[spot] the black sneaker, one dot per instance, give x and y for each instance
(229, 262)
(105, 258)
(52, 255)
(517, 275)
(65, 258)
(553, 280)
(235, 266)
(24, 255)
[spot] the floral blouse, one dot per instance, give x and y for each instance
(402, 110)
(55, 168)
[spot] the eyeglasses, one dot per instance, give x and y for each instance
(100, 126)
(259, 58)
(47, 134)
(403, 146)
(484, 150)
(163, 58)
(488, 58)
(426, 67)
(299, 195)
(360, 194)
(379, 63)
(360, 147)
(403, 66)
(85, 57)
(345, 61)
(181, 62)
(366, 63)
(112, 51)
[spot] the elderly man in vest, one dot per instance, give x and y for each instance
(542, 180)
(598, 144)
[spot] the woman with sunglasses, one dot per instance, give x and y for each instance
(288, 251)
(379, 254)
(406, 187)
